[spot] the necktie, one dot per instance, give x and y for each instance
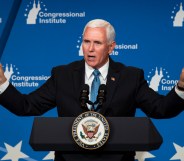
(95, 85)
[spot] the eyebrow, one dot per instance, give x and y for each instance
(95, 41)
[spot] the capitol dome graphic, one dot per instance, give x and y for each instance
(179, 18)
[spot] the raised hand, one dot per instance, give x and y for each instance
(2, 76)
(181, 80)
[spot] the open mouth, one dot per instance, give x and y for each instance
(91, 57)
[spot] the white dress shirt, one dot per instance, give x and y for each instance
(89, 74)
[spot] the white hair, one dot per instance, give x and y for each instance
(110, 32)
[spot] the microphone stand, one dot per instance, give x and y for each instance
(84, 98)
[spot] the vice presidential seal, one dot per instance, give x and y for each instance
(90, 130)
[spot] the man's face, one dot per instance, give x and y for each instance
(95, 47)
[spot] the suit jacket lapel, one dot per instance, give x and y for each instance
(112, 82)
(78, 78)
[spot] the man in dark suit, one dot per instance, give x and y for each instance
(126, 89)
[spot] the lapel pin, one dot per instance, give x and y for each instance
(112, 78)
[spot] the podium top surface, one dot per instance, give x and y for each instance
(126, 134)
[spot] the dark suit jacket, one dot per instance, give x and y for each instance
(126, 90)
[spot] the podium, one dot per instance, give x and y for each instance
(126, 134)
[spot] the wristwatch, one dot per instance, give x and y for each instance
(180, 88)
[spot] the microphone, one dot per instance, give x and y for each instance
(84, 98)
(101, 94)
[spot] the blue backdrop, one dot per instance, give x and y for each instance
(47, 33)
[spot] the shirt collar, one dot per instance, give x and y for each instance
(103, 70)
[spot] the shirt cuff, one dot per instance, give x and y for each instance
(179, 93)
(4, 86)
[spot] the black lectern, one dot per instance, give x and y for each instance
(126, 134)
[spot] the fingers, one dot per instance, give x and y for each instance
(1, 68)
(181, 81)
(182, 75)
(2, 76)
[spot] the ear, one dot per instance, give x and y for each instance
(112, 46)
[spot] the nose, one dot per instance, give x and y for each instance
(91, 47)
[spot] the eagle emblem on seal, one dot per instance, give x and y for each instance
(90, 129)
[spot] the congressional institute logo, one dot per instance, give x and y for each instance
(90, 130)
(159, 80)
(37, 12)
(13, 75)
